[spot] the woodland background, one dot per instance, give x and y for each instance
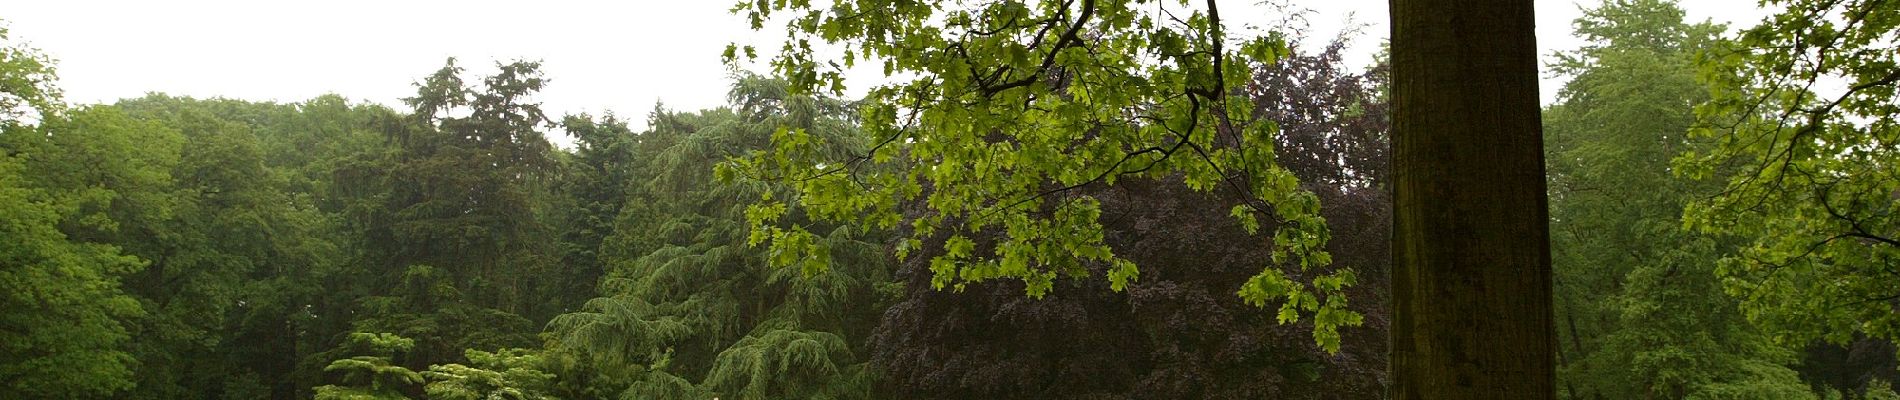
(170, 247)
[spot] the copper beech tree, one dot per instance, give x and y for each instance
(998, 110)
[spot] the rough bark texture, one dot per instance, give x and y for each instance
(1471, 279)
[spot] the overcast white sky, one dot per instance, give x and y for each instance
(622, 56)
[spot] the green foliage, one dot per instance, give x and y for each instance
(1803, 131)
(430, 306)
(1880, 391)
(621, 330)
(222, 232)
(510, 374)
(689, 309)
(250, 238)
(62, 320)
(1754, 379)
(168, 247)
(108, 175)
(1638, 299)
(256, 241)
(28, 92)
(231, 225)
(592, 184)
(1005, 113)
(454, 247)
(63, 316)
(371, 376)
(788, 364)
(462, 184)
(663, 386)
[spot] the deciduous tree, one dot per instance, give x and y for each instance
(1802, 120)
(1002, 111)
(1471, 254)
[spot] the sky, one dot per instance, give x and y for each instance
(600, 56)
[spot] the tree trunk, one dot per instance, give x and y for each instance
(1471, 246)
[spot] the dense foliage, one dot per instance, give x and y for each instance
(1178, 333)
(1635, 288)
(1007, 110)
(64, 318)
(1802, 117)
(1722, 213)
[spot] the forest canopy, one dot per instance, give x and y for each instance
(1050, 199)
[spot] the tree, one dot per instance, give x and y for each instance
(450, 228)
(465, 183)
(686, 305)
(85, 162)
(1006, 110)
(594, 180)
(1471, 256)
(233, 209)
(297, 305)
(1640, 310)
(509, 374)
(1178, 333)
(1334, 122)
(222, 250)
(28, 92)
(63, 316)
(372, 375)
(1803, 131)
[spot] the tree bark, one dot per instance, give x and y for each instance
(1471, 247)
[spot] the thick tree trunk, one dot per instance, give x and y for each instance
(1471, 249)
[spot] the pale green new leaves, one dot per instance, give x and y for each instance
(372, 376)
(1004, 115)
(510, 374)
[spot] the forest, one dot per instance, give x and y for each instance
(1044, 200)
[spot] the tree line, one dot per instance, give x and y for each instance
(1719, 227)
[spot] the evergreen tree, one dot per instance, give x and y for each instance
(701, 311)
(372, 374)
(450, 229)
